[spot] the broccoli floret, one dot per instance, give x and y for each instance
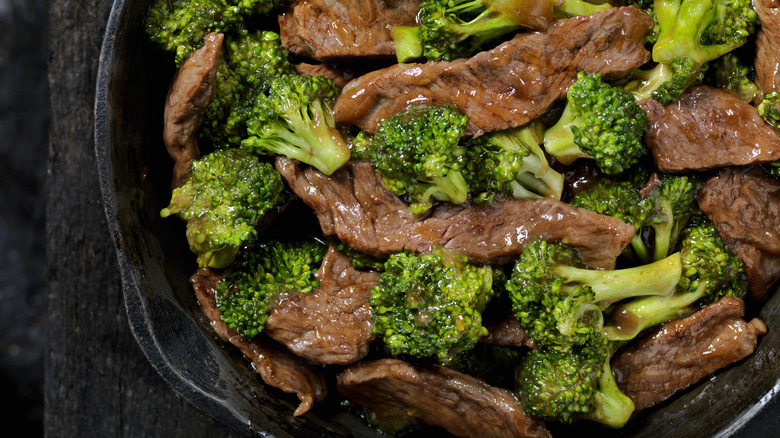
(601, 122)
(730, 73)
(658, 213)
(573, 384)
(670, 203)
(511, 161)
(701, 30)
(666, 81)
(179, 26)
(418, 154)
(360, 260)
(360, 146)
(261, 276)
(559, 303)
(452, 29)
(430, 304)
(769, 108)
(247, 62)
(710, 271)
(223, 201)
(295, 119)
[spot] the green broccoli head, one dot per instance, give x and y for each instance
(295, 119)
(418, 154)
(223, 201)
(730, 73)
(451, 29)
(573, 384)
(710, 271)
(559, 303)
(261, 276)
(701, 30)
(512, 162)
(179, 26)
(769, 108)
(247, 62)
(430, 304)
(669, 204)
(601, 122)
(710, 268)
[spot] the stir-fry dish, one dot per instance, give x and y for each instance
(488, 216)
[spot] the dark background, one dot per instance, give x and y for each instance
(64, 338)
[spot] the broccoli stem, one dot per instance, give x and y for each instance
(645, 82)
(559, 138)
(657, 278)
(309, 137)
(451, 187)
(406, 40)
(630, 319)
(613, 408)
(682, 25)
(575, 8)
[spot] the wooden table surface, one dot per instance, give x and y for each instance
(97, 381)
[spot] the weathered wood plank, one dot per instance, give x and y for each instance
(98, 383)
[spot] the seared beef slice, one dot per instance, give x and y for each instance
(509, 85)
(708, 128)
(191, 92)
(398, 392)
(334, 29)
(277, 367)
(682, 352)
(354, 205)
(331, 324)
(767, 58)
(744, 204)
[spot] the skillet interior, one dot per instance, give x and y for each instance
(155, 262)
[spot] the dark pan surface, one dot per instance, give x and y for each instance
(155, 262)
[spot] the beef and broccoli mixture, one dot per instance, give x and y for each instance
(484, 215)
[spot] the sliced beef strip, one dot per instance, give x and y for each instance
(331, 324)
(463, 405)
(744, 204)
(354, 205)
(339, 29)
(683, 352)
(708, 128)
(277, 367)
(191, 92)
(767, 60)
(506, 333)
(340, 77)
(509, 85)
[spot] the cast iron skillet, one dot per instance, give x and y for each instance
(135, 175)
